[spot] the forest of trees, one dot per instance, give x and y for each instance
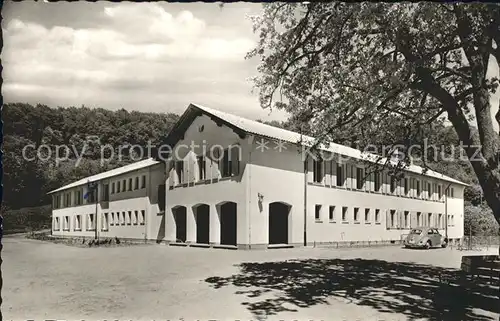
(26, 183)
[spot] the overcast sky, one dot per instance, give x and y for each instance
(155, 57)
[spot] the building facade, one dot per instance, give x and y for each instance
(128, 206)
(232, 182)
(240, 183)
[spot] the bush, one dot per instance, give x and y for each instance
(479, 221)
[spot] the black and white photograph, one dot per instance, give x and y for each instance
(250, 161)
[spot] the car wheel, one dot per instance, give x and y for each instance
(444, 244)
(428, 245)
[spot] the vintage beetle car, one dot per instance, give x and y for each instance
(425, 237)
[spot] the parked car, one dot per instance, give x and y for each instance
(425, 237)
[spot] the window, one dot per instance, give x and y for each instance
(331, 213)
(419, 219)
(161, 197)
(105, 222)
(440, 221)
(406, 219)
(142, 217)
(451, 193)
(201, 168)
(136, 186)
(418, 188)
(356, 214)
(317, 212)
(118, 187)
(226, 164)
(78, 223)
(377, 182)
(393, 219)
(124, 185)
(340, 175)
(317, 171)
(122, 219)
(112, 188)
(130, 184)
(377, 216)
(56, 224)
(66, 223)
(112, 220)
(407, 187)
(135, 219)
(439, 192)
(359, 178)
(344, 214)
(367, 215)
(393, 185)
(105, 196)
(91, 222)
(78, 197)
(129, 218)
(429, 191)
(429, 219)
(143, 183)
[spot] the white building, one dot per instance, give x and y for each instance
(234, 182)
(128, 204)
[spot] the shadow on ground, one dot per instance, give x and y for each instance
(417, 291)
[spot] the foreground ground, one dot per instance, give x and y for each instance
(42, 280)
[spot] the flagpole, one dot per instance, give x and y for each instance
(96, 204)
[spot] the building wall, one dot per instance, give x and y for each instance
(131, 202)
(279, 177)
(214, 190)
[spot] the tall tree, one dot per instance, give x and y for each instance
(387, 72)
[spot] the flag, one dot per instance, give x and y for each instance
(91, 187)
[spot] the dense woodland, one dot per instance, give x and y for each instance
(26, 183)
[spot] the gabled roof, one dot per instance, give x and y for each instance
(111, 173)
(243, 126)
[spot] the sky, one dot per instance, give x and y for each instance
(150, 57)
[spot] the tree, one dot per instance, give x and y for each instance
(386, 72)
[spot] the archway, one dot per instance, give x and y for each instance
(180, 220)
(278, 222)
(228, 223)
(202, 219)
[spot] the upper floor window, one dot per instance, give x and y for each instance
(429, 190)
(359, 178)
(340, 175)
(130, 184)
(393, 184)
(418, 188)
(440, 194)
(317, 170)
(377, 181)
(124, 185)
(231, 161)
(118, 187)
(105, 196)
(136, 186)
(179, 170)
(143, 184)
(202, 174)
(407, 186)
(112, 188)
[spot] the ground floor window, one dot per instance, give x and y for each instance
(56, 224)
(78, 223)
(344, 214)
(105, 222)
(377, 216)
(90, 222)
(66, 223)
(142, 217)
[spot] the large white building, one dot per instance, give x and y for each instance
(234, 182)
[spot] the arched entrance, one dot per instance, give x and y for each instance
(228, 223)
(278, 222)
(202, 219)
(179, 213)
